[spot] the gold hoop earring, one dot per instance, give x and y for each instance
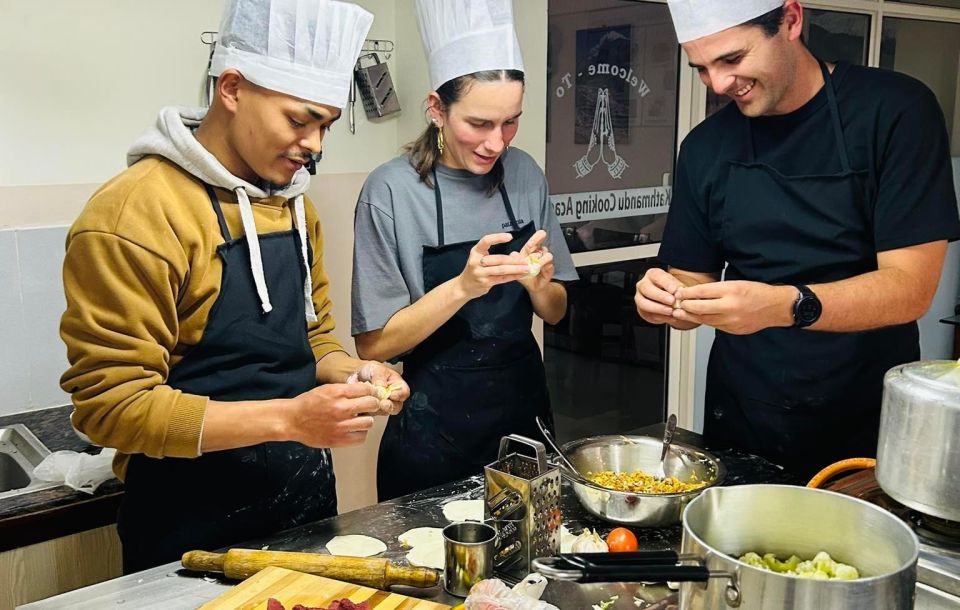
(440, 142)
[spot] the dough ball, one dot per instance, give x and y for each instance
(533, 261)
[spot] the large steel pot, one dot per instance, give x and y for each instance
(724, 523)
(630, 453)
(918, 455)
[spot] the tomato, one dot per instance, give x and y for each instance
(622, 540)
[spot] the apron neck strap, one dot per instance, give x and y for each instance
(835, 116)
(439, 201)
(834, 120)
(224, 231)
(506, 204)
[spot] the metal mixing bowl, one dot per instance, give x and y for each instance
(630, 453)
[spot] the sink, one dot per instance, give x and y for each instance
(12, 475)
(20, 452)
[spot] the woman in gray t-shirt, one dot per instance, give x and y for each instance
(456, 248)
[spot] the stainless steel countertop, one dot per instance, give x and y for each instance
(171, 588)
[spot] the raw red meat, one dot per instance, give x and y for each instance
(342, 604)
(346, 604)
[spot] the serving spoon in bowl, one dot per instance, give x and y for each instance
(567, 464)
(668, 431)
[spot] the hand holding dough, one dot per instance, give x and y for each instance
(371, 374)
(384, 391)
(533, 253)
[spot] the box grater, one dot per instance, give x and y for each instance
(376, 87)
(522, 502)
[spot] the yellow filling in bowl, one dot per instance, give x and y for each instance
(643, 483)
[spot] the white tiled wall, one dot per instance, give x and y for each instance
(32, 357)
(14, 368)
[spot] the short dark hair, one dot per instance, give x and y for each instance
(769, 22)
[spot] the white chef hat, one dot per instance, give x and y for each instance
(465, 36)
(304, 48)
(698, 18)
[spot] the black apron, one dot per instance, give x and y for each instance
(800, 398)
(478, 377)
(173, 505)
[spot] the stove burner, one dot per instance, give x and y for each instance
(935, 530)
(864, 485)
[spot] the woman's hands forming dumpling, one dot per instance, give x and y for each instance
(484, 270)
(539, 260)
(532, 266)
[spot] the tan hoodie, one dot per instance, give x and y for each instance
(141, 275)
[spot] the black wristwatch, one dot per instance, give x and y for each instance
(807, 308)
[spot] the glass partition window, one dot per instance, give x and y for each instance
(613, 80)
(930, 52)
(611, 120)
(605, 365)
(834, 36)
(944, 3)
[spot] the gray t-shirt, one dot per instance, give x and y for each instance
(396, 216)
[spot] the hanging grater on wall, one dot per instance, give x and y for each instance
(376, 87)
(522, 501)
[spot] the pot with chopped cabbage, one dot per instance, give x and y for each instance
(770, 547)
(797, 547)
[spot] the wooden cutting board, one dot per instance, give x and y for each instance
(291, 588)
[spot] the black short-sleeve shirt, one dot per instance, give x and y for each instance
(894, 131)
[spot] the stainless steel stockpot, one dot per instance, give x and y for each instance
(627, 454)
(918, 455)
(726, 522)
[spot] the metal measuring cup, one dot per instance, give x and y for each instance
(468, 549)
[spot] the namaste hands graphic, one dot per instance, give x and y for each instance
(602, 147)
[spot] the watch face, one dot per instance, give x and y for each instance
(808, 310)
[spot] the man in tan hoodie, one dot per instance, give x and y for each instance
(198, 322)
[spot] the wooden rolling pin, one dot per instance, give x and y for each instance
(369, 572)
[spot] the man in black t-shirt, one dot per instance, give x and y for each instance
(824, 195)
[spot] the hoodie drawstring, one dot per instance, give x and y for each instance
(308, 278)
(256, 260)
